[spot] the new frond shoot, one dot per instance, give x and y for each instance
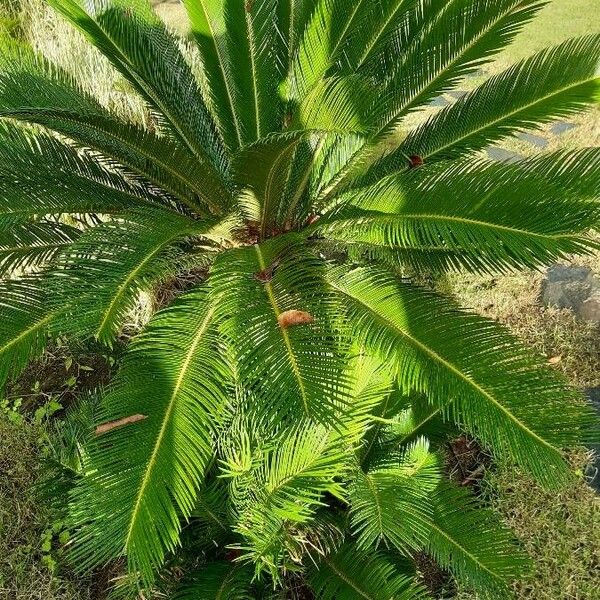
(283, 420)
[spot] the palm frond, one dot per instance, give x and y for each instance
(33, 90)
(279, 489)
(110, 264)
(434, 61)
(25, 317)
(255, 289)
(471, 367)
(41, 175)
(148, 55)
(502, 217)
(237, 41)
(219, 581)
(350, 574)
(139, 486)
(32, 245)
(464, 35)
(391, 503)
(470, 540)
(554, 83)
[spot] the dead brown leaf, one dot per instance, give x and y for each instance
(106, 427)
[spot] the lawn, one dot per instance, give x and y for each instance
(560, 530)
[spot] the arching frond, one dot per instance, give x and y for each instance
(237, 41)
(147, 54)
(502, 217)
(34, 90)
(281, 489)
(142, 478)
(392, 502)
(350, 574)
(554, 83)
(461, 37)
(40, 175)
(470, 540)
(577, 170)
(469, 366)
(284, 327)
(30, 246)
(219, 581)
(435, 61)
(109, 265)
(25, 317)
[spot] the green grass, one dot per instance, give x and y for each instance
(28, 546)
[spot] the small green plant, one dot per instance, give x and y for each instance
(286, 409)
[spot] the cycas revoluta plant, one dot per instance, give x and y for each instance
(291, 405)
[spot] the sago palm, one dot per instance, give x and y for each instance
(290, 406)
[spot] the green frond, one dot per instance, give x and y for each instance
(24, 322)
(469, 366)
(554, 83)
(148, 55)
(265, 169)
(237, 41)
(293, 19)
(351, 574)
(452, 40)
(32, 245)
(280, 488)
(470, 541)
(142, 478)
(415, 417)
(212, 513)
(303, 362)
(502, 217)
(41, 175)
(219, 581)
(391, 503)
(577, 170)
(33, 90)
(337, 104)
(463, 35)
(109, 265)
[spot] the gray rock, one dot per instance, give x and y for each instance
(561, 127)
(501, 155)
(536, 140)
(593, 470)
(590, 309)
(440, 101)
(573, 287)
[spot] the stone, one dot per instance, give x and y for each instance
(593, 470)
(573, 287)
(590, 309)
(561, 127)
(501, 155)
(536, 140)
(475, 73)
(439, 102)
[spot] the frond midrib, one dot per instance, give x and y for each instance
(511, 114)
(284, 335)
(171, 405)
(461, 220)
(451, 367)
